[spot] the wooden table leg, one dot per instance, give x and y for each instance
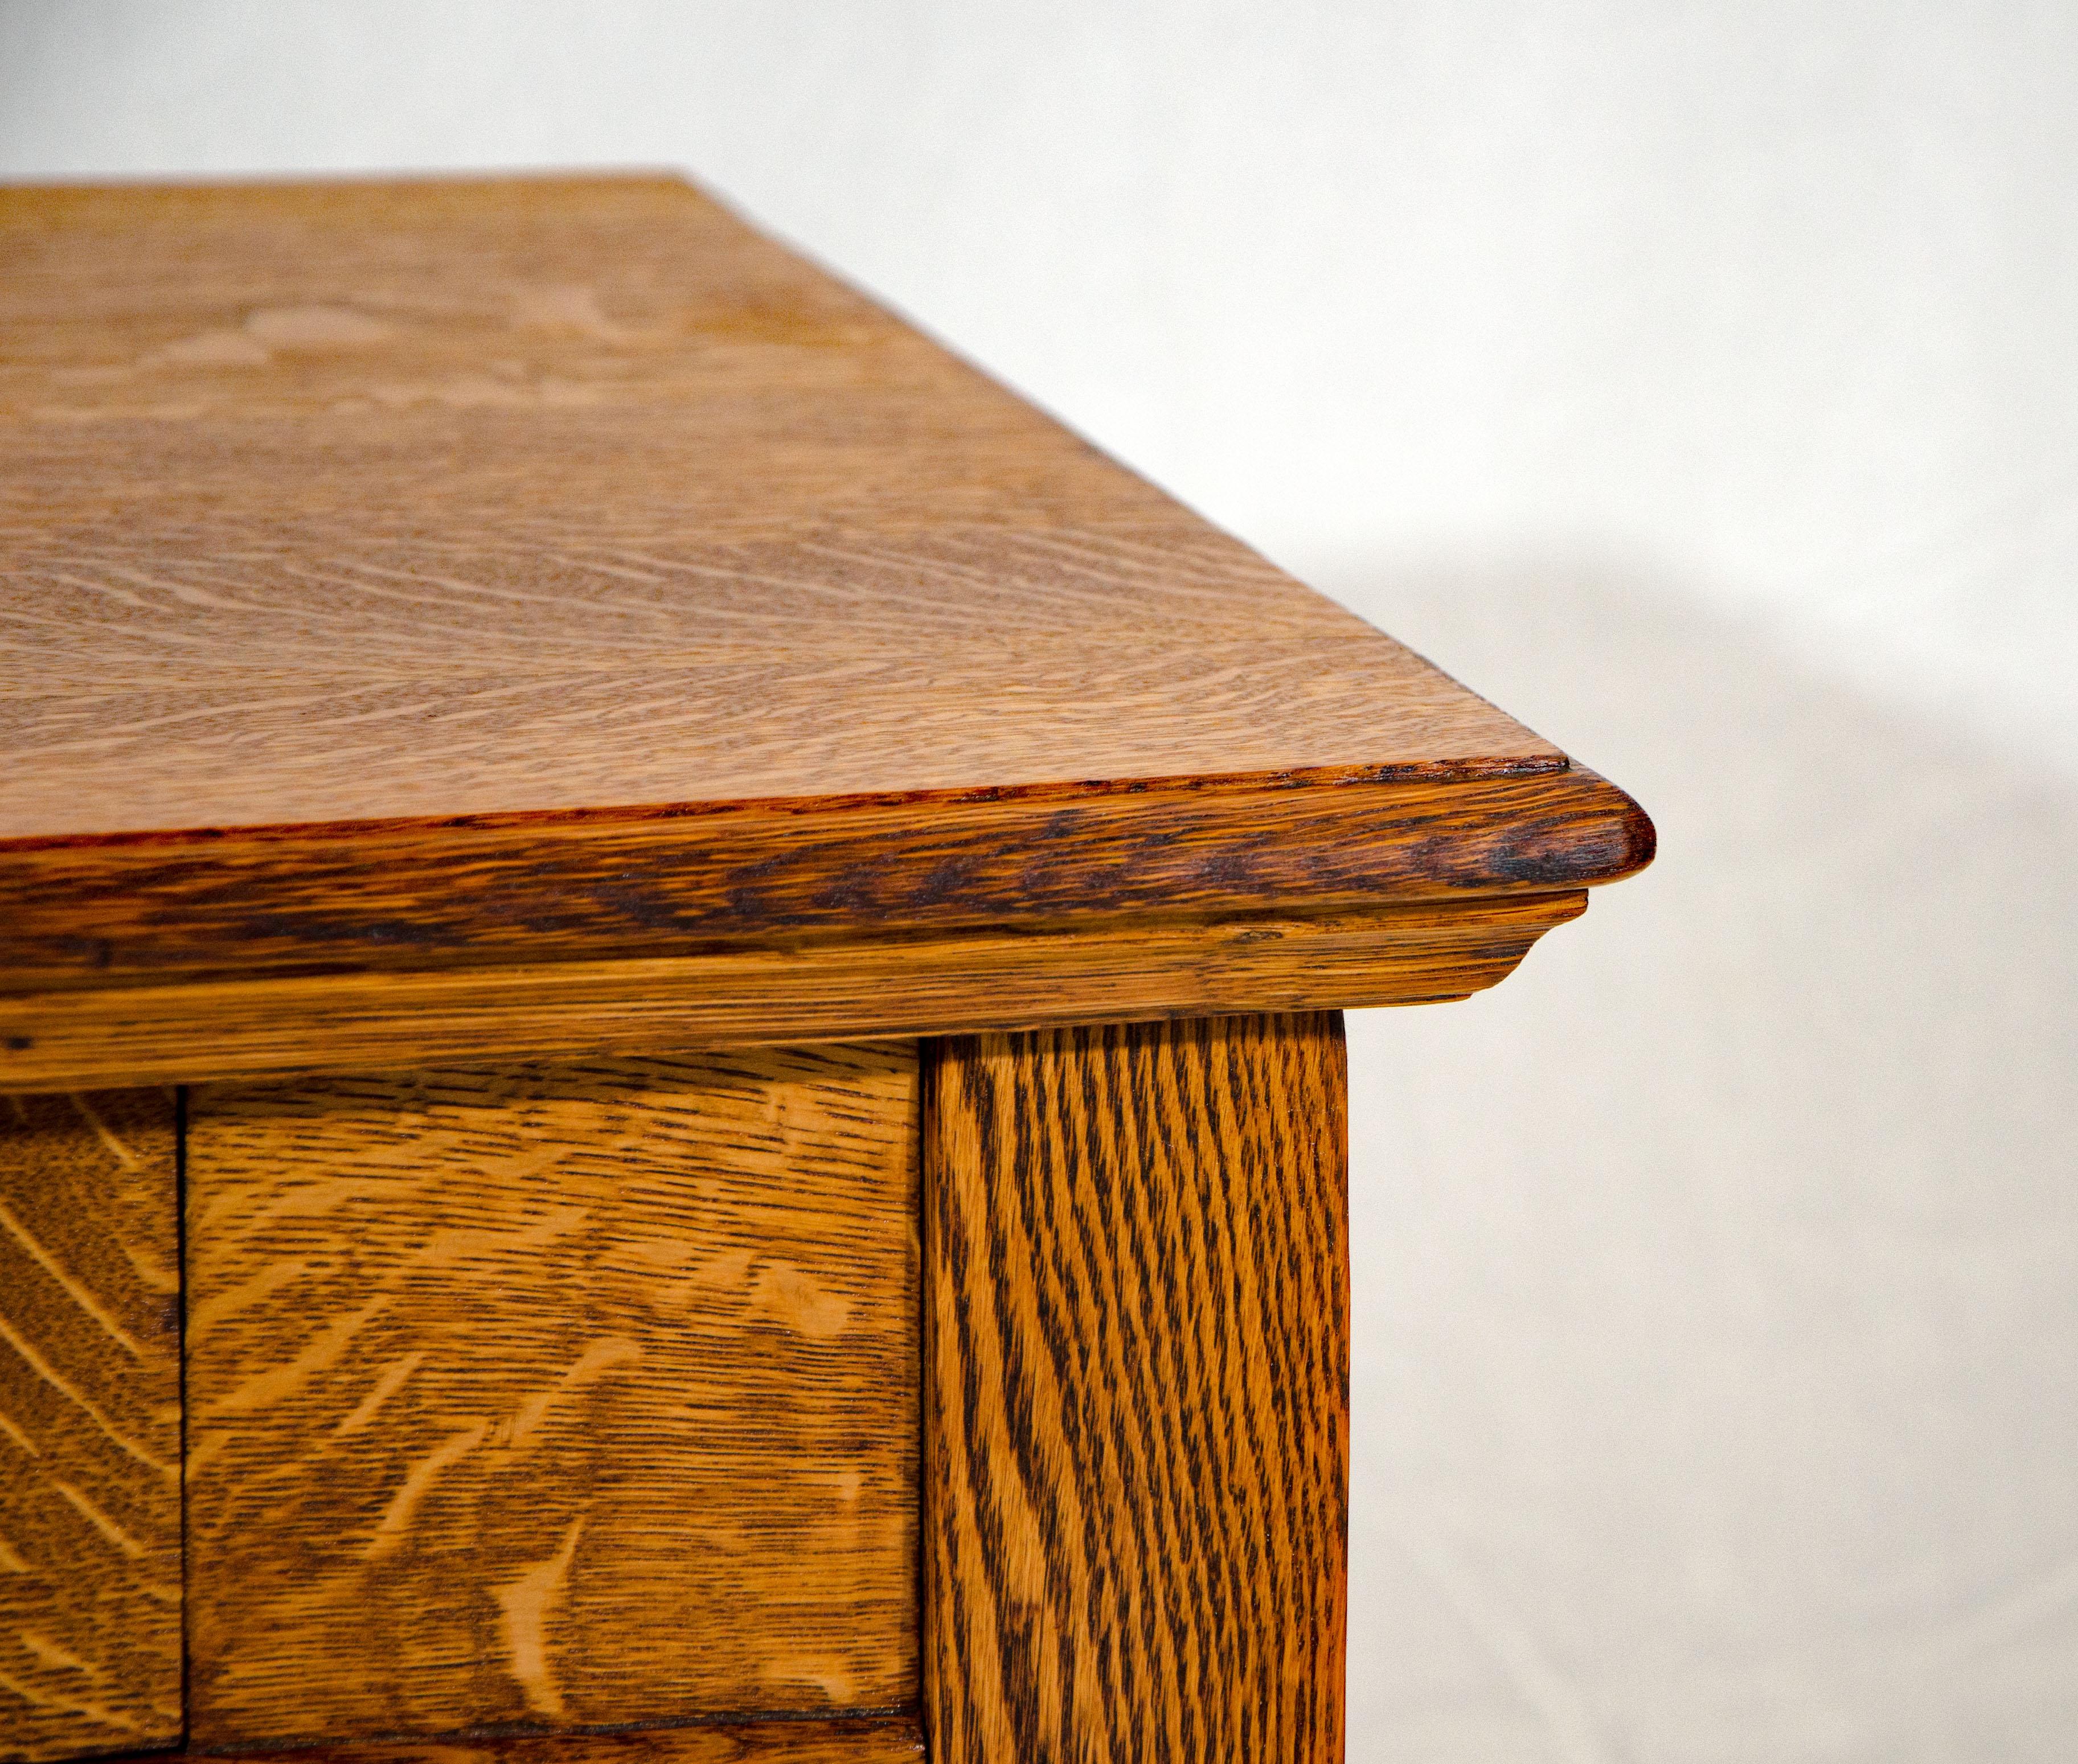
(1136, 1393)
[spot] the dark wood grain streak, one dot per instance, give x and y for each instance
(89, 1424)
(552, 1395)
(780, 992)
(570, 890)
(896, 1741)
(1136, 1394)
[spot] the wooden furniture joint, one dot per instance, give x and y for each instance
(671, 1084)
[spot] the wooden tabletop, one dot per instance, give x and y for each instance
(479, 525)
(343, 503)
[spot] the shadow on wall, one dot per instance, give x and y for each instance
(1717, 1278)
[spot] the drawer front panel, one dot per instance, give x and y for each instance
(89, 1424)
(553, 1396)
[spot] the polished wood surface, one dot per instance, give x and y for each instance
(101, 916)
(769, 926)
(505, 574)
(896, 1741)
(345, 503)
(1136, 1431)
(555, 1396)
(451, 627)
(811, 990)
(89, 1424)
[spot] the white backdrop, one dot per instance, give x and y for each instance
(1696, 380)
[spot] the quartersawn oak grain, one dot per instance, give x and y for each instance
(812, 990)
(332, 502)
(89, 1424)
(553, 1396)
(897, 1740)
(1136, 1364)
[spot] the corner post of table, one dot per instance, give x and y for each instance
(1136, 1386)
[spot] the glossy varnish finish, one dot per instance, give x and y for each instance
(89, 1424)
(1136, 1394)
(550, 1397)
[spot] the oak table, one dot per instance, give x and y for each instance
(669, 978)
